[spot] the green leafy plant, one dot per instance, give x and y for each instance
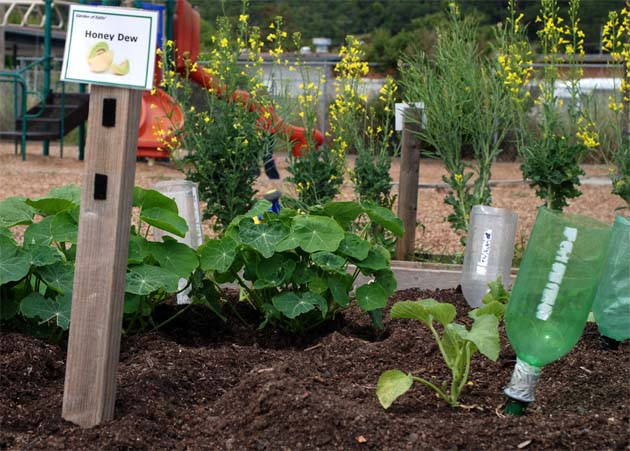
(36, 276)
(457, 346)
(294, 267)
(552, 169)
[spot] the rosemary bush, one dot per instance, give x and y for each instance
(465, 104)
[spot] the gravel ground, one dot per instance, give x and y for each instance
(37, 175)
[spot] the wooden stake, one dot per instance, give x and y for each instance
(101, 261)
(408, 188)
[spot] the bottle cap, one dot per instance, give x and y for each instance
(522, 386)
(515, 407)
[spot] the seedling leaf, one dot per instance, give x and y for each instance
(391, 385)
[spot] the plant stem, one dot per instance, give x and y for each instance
(434, 388)
(464, 379)
(238, 315)
(171, 318)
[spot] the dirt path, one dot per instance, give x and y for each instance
(36, 176)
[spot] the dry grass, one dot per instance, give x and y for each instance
(36, 176)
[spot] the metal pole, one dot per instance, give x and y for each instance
(47, 55)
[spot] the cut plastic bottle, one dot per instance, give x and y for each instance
(611, 307)
(186, 196)
(489, 251)
(553, 293)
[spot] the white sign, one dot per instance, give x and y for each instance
(399, 113)
(110, 46)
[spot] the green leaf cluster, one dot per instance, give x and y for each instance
(552, 168)
(36, 276)
(299, 268)
(457, 346)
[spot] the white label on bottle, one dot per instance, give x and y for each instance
(482, 264)
(554, 280)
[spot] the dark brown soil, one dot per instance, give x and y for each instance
(203, 385)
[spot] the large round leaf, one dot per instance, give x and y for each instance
(354, 247)
(37, 306)
(14, 211)
(329, 262)
(64, 228)
(137, 250)
(375, 261)
(41, 255)
(217, 255)
(58, 276)
(146, 279)
(149, 198)
(292, 305)
(165, 220)
(262, 237)
(13, 264)
(385, 218)
(68, 192)
(339, 288)
(39, 232)
(343, 212)
(274, 271)
(317, 233)
(175, 257)
(387, 280)
(316, 300)
(371, 296)
(51, 205)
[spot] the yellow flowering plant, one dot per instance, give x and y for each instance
(224, 139)
(465, 105)
(616, 41)
(551, 152)
(316, 172)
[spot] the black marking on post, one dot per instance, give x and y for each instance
(109, 112)
(100, 186)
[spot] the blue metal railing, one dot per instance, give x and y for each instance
(21, 93)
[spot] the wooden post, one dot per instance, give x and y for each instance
(408, 186)
(101, 261)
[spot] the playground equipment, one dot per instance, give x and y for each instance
(57, 113)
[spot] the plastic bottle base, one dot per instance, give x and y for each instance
(515, 407)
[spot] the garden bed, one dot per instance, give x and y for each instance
(203, 384)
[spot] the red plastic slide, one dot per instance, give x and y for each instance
(155, 122)
(159, 116)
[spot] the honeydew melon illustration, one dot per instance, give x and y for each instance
(121, 69)
(100, 57)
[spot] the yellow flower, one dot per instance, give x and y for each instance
(243, 18)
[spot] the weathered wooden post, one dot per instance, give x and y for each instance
(113, 47)
(408, 119)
